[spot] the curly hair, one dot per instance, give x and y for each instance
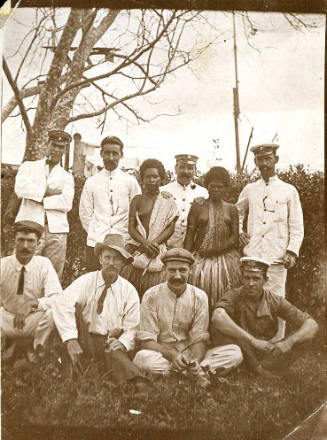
(217, 173)
(153, 163)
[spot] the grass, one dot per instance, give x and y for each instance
(44, 401)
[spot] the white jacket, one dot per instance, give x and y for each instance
(31, 182)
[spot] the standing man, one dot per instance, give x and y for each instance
(105, 200)
(28, 284)
(174, 326)
(184, 191)
(275, 221)
(99, 313)
(248, 316)
(47, 191)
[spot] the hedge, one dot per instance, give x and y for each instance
(306, 281)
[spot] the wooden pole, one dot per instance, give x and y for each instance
(236, 102)
(247, 149)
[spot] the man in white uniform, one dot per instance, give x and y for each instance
(99, 314)
(184, 191)
(275, 221)
(174, 326)
(47, 191)
(28, 285)
(105, 200)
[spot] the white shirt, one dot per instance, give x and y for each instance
(104, 204)
(121, 308)
(31, 182)
(41, 282)
(183, 196)
(276, 229)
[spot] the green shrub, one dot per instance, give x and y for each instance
(305, 284)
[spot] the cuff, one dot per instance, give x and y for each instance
(294, 250)
(69, 335)
(128, 340)
(143, 335)
(199, 336)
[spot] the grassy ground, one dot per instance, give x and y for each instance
(44, 403)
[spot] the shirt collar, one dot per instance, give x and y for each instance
(263, 309)
(112, 173)
(173, 294)
(271, 179)
(190, 185)
(100, 281)
(19, 265)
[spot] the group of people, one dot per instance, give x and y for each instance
(166, 288)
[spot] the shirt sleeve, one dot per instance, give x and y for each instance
(63, 309)
(86, 207)
(64, 201)
(228, 302)
(242, 206)
(149, 328)
(25, 187)
(295, 223)
(199, 331)
(51, 286)
(131, 319)
(291, 314)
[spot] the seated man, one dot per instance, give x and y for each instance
(99, 314)
(248, 316)
(28, 284)
(174, 325)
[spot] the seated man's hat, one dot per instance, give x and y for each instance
(59, 137)
(188, 159)
(178, 254)
(29, 226)
(254, 264)
(264, 149)
(116, 242)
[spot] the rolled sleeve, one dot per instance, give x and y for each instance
(199, 331)
(131, 320)
(149, 328)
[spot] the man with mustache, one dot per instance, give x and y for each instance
(174, 326)
(248, 316)
(184, 191)
(28, 285)
(99, 313)
(105, 200)
(275, 221)
(47, 191)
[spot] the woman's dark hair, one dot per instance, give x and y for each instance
(153, 163)
(217, 173)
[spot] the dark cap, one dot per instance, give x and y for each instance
(114, 140)
(178, 254)
(59, 137)
(188, 159)
(116, 242)
(254, 264)
(264, 149)
(29, 226)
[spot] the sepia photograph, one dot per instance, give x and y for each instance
(163, 245)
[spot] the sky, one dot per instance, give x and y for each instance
(281, 92)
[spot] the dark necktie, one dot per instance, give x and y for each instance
(102, 298)
(20, 289)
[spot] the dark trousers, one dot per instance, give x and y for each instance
(92, 262)
(119, 363)
(253, 357)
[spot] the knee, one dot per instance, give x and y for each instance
(142, 359)
(237, 354)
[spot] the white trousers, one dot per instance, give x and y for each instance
(226, 356)
(276, 283)
(53, 246)
(38, 325)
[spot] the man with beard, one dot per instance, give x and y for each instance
(47, 191)
(248, 316)
(275, 221)
(184, 191)
(105, 200)
(28, 286)
(174, 326)
(99, 313)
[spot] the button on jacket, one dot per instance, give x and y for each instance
(275, 219)
(121, 308)
(183, 197)
(104, 204)
(31, 182)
